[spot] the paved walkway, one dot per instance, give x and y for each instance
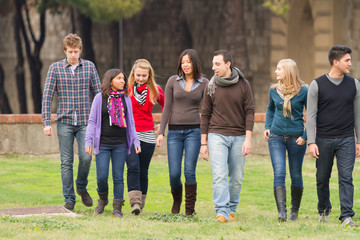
(35, 211)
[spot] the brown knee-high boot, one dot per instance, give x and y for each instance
(102, 202)
(190, 198)
(143, 199)
(177, 196)
(135, 201)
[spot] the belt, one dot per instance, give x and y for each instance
(292, 136)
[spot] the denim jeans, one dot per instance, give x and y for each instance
(178, 141)
(117, 156)
(226, 160)
(66, 134)
(138, 167)
(278, 145)
(344, 150)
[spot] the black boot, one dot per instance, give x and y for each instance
(296, 195)
(177, 197)
(190, 198)
(280, 197)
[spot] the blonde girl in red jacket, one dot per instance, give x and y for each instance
(144, 93)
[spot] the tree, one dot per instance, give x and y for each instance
(236, 37)
(179, 27)
(279, 7)
(4, 101)
(32, 45)
(104, 11)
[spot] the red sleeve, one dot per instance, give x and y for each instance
(161, 98)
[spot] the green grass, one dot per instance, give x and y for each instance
(27, 181)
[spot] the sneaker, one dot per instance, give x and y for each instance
(324, 217)
(232, 217)
(85, 197)
(349, 222)
(221, 219)
(69, 206)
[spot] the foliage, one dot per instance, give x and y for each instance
(279, 7)
(107, 10)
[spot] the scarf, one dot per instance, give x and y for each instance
(140, 93)
(115, 107)
(224, 82)
(286, 93)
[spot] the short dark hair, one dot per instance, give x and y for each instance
(227, 56)
(195, 60)
(337, 52)
(108, 77)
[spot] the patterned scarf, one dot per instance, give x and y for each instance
(286, 93)
(116, 108)
(140, 93)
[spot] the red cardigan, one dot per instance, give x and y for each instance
(143, 113)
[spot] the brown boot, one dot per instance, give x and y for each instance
(117, 205)
(143, 198)
(177, 196)
(102, 202)
(190, 198)
(135, 201)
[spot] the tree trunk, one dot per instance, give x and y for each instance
(114, 29)
(179, 27)
(83, 26)
(19, 68)
(235, 36)
(33, 58)
(4, 101)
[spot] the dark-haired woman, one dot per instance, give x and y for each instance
(111, 130)
(183, 94)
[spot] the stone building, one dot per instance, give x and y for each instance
(305, 34)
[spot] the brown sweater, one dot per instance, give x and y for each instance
(181, 107)
(230, 110)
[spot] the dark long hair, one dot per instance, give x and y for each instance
(108, 77)
(195, 60)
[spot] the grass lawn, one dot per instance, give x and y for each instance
(27, 181)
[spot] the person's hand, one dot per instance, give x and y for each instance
(300, 141)
(159, 140)
(156, 129)
(266, 134)
(204, 152)
(246, 147)
(88, 150)
(48, 131)
(357, 150)
(138, 150)
(313, 150)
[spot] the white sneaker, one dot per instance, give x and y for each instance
(349, 222)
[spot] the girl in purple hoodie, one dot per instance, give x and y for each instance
(111, 130)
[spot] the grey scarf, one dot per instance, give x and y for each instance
(224, 82)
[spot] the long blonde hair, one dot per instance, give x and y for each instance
(152, 86)
(291, 74)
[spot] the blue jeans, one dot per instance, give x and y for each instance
(344, 150)
(66, 134)
(178, 141)
(118, 156)
(138, 167)
(226, 159)
(278, 145)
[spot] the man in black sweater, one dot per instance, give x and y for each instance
(333, 110)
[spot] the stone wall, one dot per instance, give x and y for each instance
(23, 134)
